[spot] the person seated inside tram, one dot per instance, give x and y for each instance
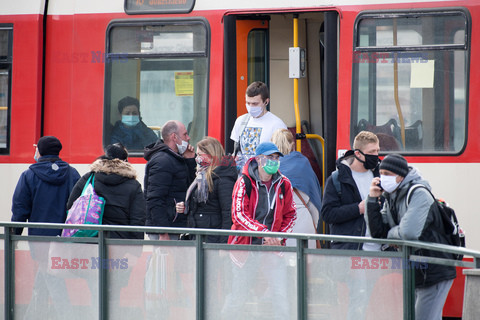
(131, 131)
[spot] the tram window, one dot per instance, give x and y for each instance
(257, 55)
(163, 65)
(5, 85)
(410, 80)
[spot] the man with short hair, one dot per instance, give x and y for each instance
(256, 126)
(262, 201)
(343, 203)
(169, 172)
(343, 207)
(411, 218)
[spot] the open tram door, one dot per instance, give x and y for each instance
(257, 49)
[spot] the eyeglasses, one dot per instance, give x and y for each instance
(273, 156)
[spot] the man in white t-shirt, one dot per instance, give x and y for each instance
(257, 125)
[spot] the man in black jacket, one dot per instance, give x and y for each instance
(169, 172)
(343, 208)
(343, 200)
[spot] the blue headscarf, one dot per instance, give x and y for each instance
(296, 167)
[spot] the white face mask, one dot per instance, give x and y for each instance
(254, 111)
(389, 183)
(182, 147)
(36, 155)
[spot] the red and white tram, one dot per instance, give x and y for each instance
(406, 70)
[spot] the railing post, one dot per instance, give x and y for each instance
(200, 277)
(9, 280)
(102, 277)
(301, 278)
(408, 285)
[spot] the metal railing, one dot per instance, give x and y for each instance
(205, 272)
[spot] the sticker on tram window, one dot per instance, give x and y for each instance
(184, 83)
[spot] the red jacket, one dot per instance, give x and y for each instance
(244, 207)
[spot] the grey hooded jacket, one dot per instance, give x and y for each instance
(416, 220)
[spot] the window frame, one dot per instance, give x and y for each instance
(116, 56)
(7, 63)
(400, 13)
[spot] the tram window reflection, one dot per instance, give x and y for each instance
(167, 74)
(410, 80)
(5, 86)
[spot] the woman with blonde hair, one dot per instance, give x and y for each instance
(209, 198)
(307, 192)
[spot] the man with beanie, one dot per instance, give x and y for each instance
(131, 131)
(43, 189)
(41, 196)
(411, 219)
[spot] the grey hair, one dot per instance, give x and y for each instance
(168, 128)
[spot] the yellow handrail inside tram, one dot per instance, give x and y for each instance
(295, 88)
(322, 142)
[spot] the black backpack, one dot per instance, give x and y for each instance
(452, 229)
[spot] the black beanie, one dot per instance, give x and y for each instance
(395, 163)
(49, 146)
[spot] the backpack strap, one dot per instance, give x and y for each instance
(243, 125)
(336, 183)
(248, 184)
(416, 186)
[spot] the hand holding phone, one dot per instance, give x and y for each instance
(375, 188)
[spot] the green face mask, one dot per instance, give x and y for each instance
(271, 166)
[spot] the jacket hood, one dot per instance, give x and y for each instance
(51, 169)
(414, 177)
(158, 146)
(226, 168)
(115, 166)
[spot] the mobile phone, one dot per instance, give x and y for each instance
(380, 186)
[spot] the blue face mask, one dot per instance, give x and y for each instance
(130, 120)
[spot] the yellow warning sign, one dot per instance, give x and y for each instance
(184, 83)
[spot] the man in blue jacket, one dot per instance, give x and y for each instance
(43, 189)
(41, 196)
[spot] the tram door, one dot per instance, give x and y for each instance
(246, 60)
(252, 56)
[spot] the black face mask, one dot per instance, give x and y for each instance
(371, 160)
